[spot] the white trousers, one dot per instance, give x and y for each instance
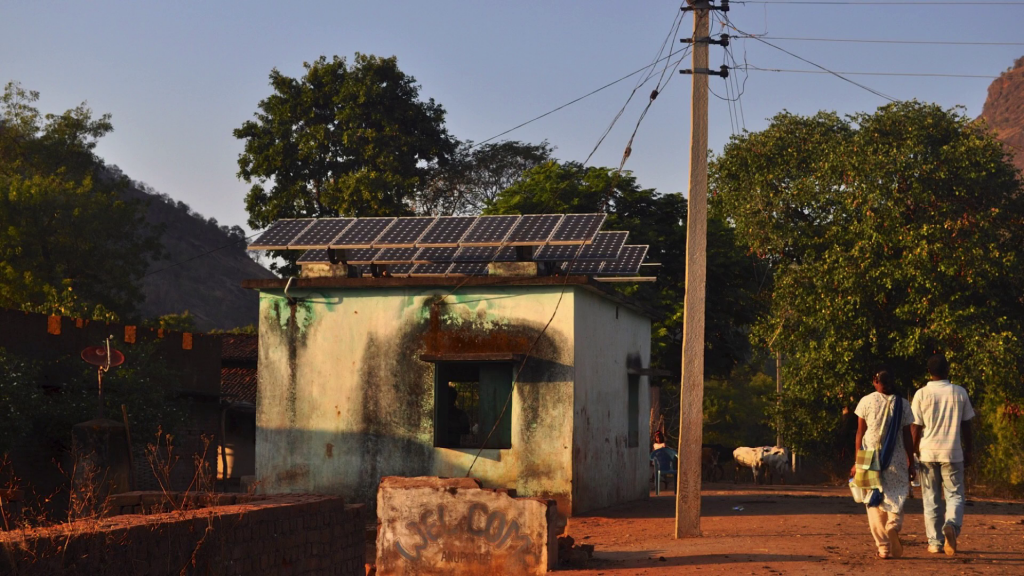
(880, 523)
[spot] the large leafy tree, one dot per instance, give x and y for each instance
(892, 235)
(343, 139)
(658, 220)
(69, 243)
(475, 175)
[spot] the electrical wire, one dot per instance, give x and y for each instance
(908, 74)
(673, 32)
(571, 102)
(819, 66)
(869, 41)
(894, 3)
(208, 252)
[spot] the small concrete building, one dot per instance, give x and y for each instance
(361, 378)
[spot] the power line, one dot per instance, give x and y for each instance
(867, 41)
(895, 3)
(911, 74)
(609, 85)
(208, 252)
(802, 59)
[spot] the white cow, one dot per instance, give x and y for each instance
(775, 461)
(752, 458)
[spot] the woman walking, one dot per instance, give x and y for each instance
(884, 466)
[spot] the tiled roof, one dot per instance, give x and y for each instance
(240, 348)
(238, 384)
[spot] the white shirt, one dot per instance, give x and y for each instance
(939, 408)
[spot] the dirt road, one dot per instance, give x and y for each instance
(790, 530)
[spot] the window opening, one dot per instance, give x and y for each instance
(468, 399)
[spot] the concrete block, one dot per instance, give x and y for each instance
(452, 526)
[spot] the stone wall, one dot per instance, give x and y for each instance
(284, 535)
(452, 526)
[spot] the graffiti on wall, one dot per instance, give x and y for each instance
(480, 525)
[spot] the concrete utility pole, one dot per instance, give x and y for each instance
(778, 392)
(691, 397)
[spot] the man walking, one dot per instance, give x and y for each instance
(942, 414)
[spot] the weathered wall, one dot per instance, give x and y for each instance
(609, 338)
(291, 535)
(344, 399)
(452, 527)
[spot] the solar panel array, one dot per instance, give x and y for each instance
(458, 245)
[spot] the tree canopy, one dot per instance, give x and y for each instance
(475, 176)
(658, 220)
(69, 243)
(891, 235)
(353, 140)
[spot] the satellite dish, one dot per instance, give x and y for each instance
(97, 356)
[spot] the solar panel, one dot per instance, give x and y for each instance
(404, 232)
(468, 269)
(446, 231)
(577, 229)
(533, 230)
(360, 255)
(489, 230)
(559, 253)
(439, 269)
(315, 256)
(399, 269)
(584, 266)
(281, 233)
(435, 254)
(395, 255)
(606, 246)
(321, 233)
(628, 262)
(485, 254)
(362, 233)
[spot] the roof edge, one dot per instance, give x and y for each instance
(581, 281)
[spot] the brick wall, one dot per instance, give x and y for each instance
(281, 535)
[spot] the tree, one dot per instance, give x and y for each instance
(341, 140)
(658, 220)
(476, 175)
(68, 242)
(892, 235)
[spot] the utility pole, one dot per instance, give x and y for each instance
(778, 394)
(691, 397)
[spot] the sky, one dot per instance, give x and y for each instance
(178, 77)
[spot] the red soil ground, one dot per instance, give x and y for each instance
(790, 530)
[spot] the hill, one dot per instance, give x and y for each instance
(209, 286)
(1004, 109)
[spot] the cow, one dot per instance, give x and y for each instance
(752, 458)
(775, 461)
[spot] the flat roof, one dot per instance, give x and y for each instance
(581, 281)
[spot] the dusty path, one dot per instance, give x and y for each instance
(790, 530)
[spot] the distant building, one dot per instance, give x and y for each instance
(236, 457)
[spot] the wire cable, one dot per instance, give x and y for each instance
(894, 3)
(908, 74)
(802, 59)
(571, 102)
(208, 252)
(870, 41)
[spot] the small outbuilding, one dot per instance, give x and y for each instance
(528, 374)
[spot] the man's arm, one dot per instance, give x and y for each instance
(908, 445)
(915, 434)
(967, 436)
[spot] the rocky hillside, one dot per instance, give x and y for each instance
(1004, 109)
(209, 287)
